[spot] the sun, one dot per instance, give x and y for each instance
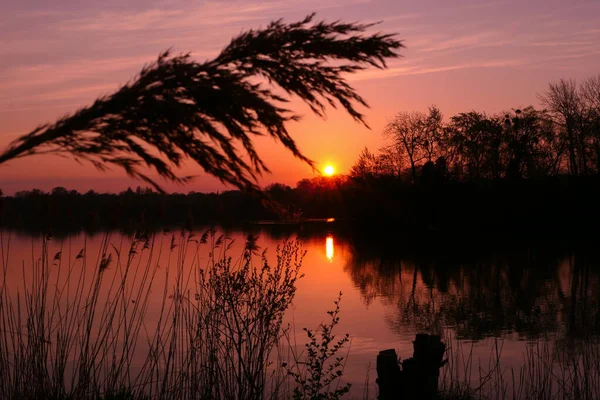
(329, 170)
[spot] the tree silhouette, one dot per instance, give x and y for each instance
(590, 95)
(416, 135)
(209, 112)
(366, 166)
(476, 138)
(407, 130)
(564, 104)
(523, 143)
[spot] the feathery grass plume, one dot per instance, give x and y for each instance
(209, 112)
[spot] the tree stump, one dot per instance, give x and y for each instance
(419, 375)
(388, 374)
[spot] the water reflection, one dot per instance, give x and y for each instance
(528, 291)
(393, 290)
(329, 248)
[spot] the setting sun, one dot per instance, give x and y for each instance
(329, 170)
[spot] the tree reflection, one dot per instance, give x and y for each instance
(526, 291)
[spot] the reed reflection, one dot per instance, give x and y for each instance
(329, 248)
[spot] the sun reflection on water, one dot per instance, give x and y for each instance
(329, 248)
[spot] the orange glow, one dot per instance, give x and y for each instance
(329, 248)
(329, 170)
(432, 70)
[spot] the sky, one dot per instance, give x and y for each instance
(464, 55)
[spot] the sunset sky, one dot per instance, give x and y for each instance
(460, 55)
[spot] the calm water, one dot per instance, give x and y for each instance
(521, 294)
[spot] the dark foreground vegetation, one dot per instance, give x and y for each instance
(72, 328)
(154, 318)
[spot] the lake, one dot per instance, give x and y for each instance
(517, 296)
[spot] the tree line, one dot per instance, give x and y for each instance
(62, 211)
(531, 168)
(563, 138)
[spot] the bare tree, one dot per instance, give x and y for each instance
(415, 136)
(590, 97)
(564, 104)
(433, 141)
(590, 92)
(391, 160)
(408, 132)
(178, 108)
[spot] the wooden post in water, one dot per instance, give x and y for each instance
(388, 374)
(428, 353)
(419, 376)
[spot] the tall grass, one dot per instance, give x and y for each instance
(558, 368)
(104, 329)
